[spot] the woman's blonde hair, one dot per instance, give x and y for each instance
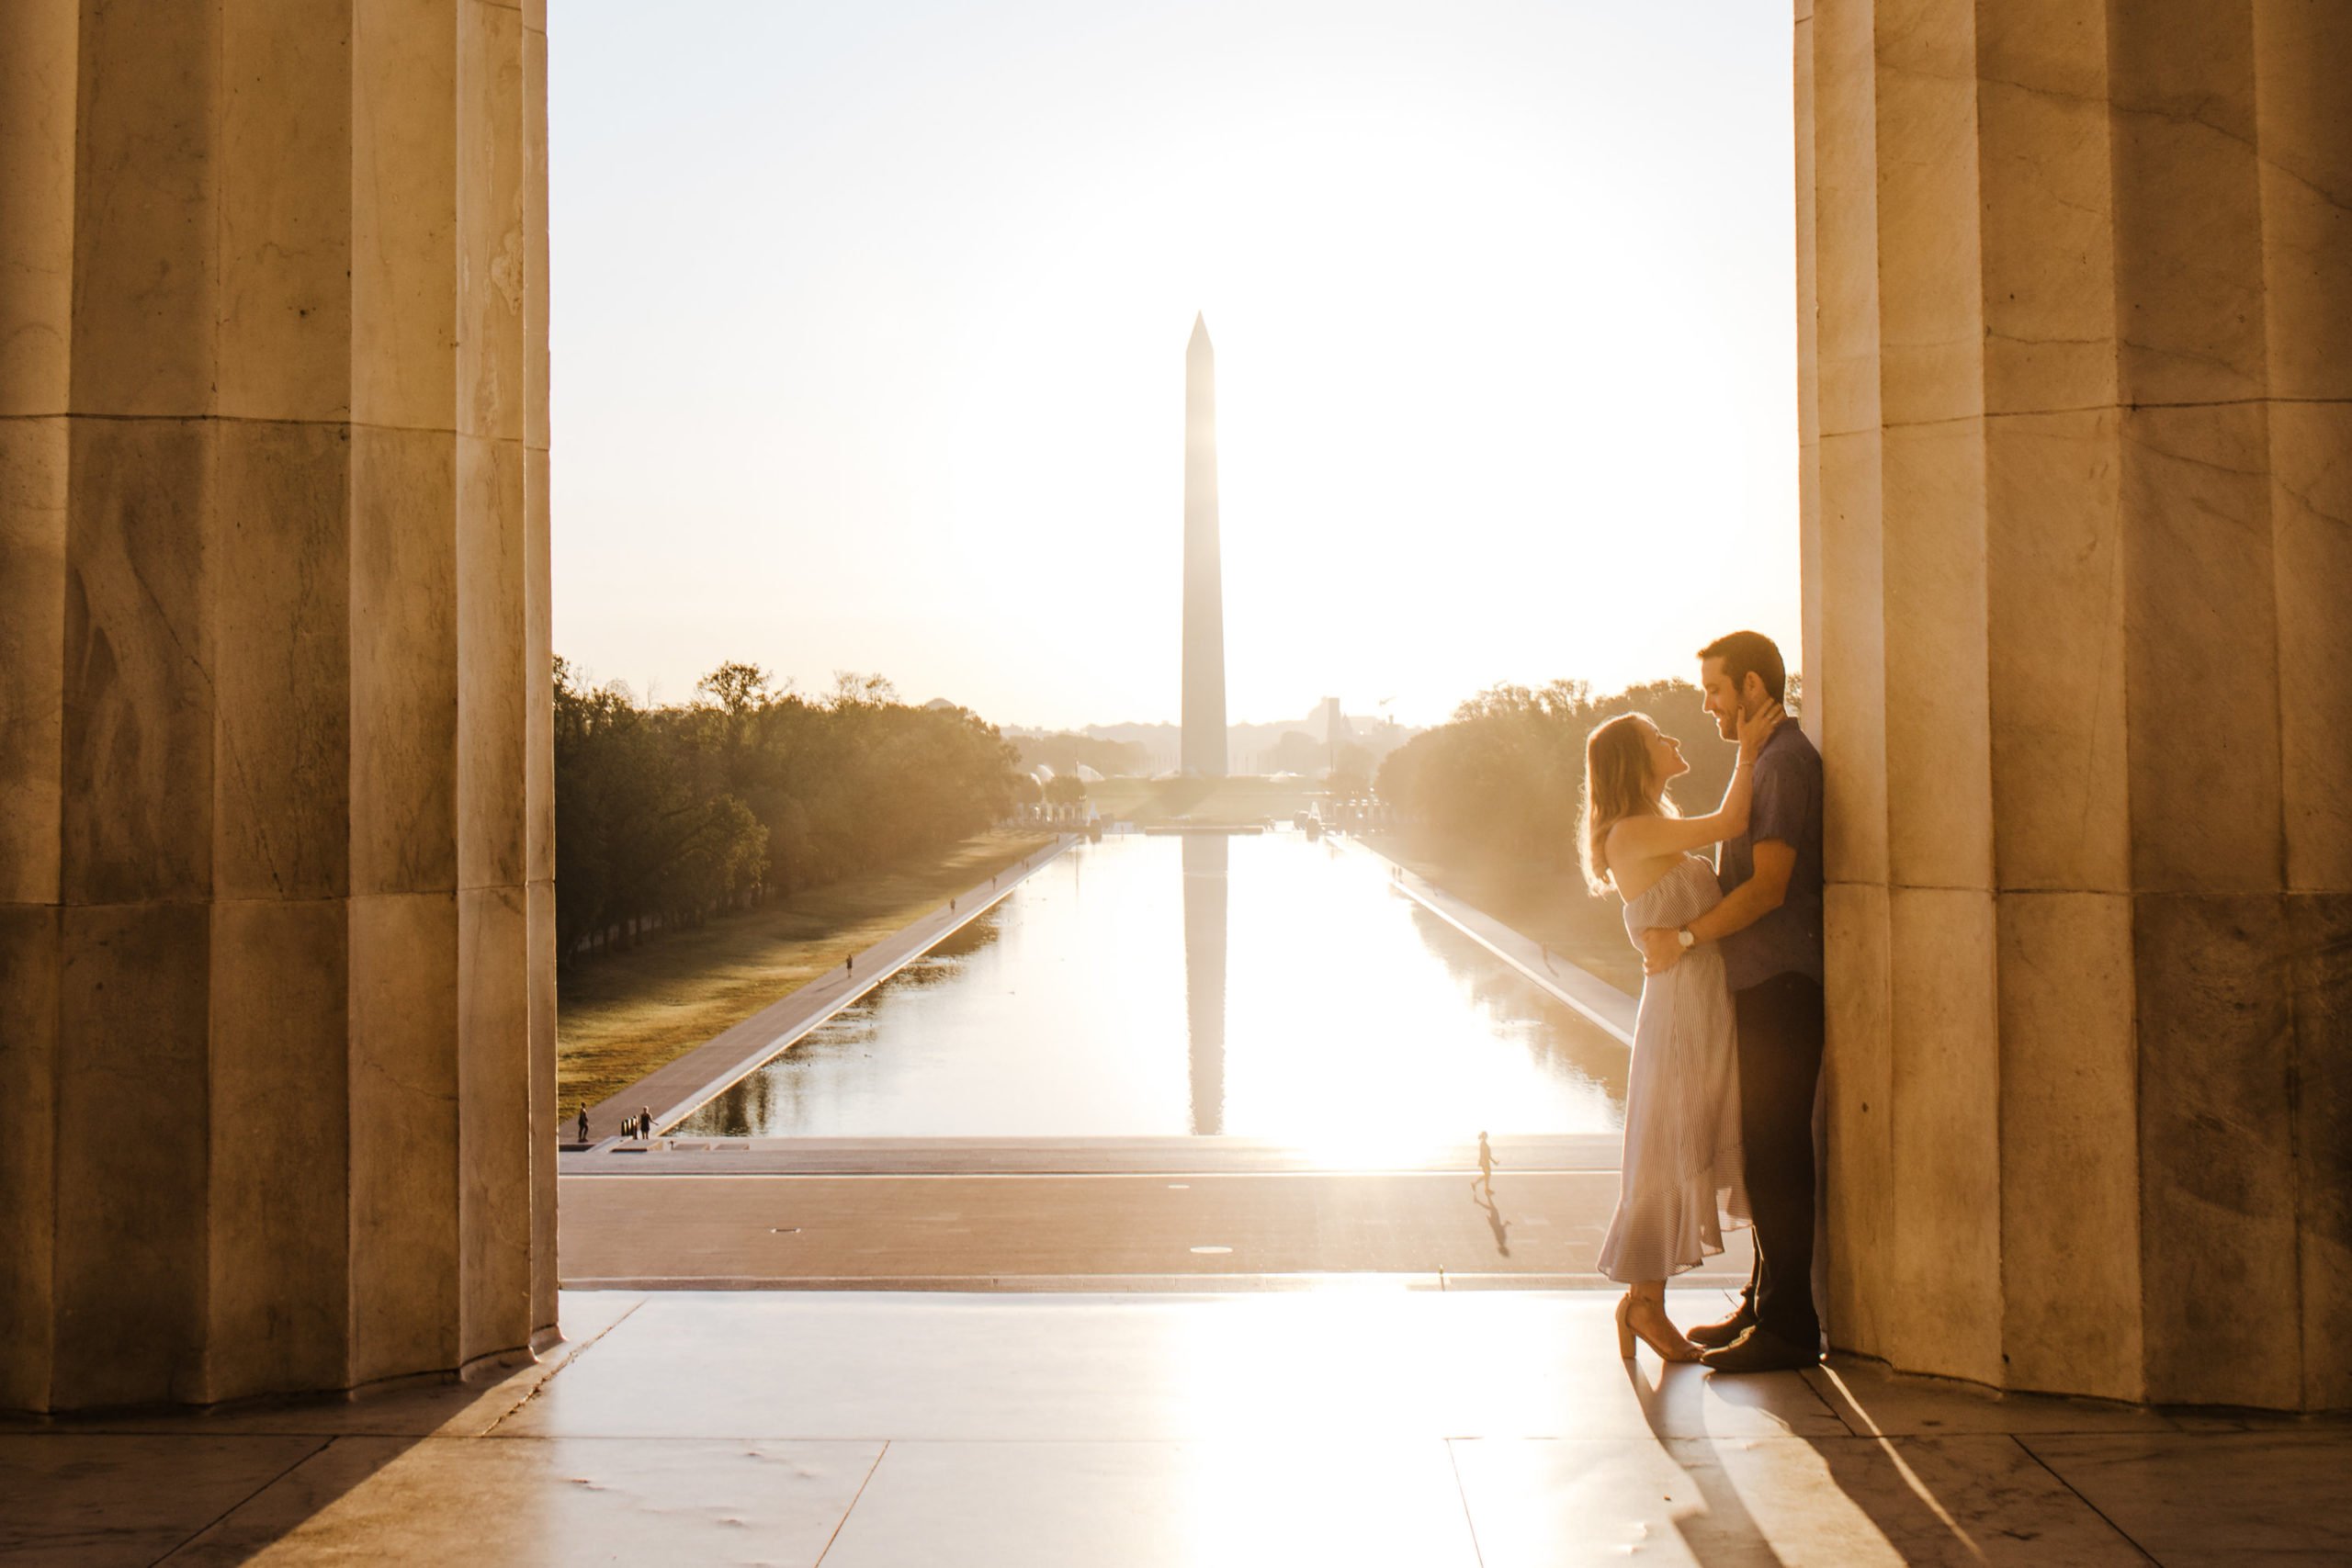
(1616, 785)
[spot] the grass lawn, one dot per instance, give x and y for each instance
(620, 1015)
(1540, 903)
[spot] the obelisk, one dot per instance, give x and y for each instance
(1204, 741)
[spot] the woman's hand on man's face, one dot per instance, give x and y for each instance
(1756, 727)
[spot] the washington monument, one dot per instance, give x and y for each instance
(1203, 744)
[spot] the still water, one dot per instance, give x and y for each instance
(1259, 986)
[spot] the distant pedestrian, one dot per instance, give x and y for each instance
(849, 964)
(645, 1124)
(583, 1123)
(1485, 1165)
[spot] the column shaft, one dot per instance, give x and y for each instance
(2082, 295)
(273, 603)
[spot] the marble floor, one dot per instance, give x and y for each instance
(1364, 1423)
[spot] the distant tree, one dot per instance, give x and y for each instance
(1350, 777)
(853, 690)
(665, 815)
(1065, 789)
(737, 688)
(1295, 751)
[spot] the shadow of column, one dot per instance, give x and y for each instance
(1205, 886)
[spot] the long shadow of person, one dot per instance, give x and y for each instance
(1722, 1530)
(1494, 1222)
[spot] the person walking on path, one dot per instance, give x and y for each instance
(1767, 926)
(1681, 1170)
(645, 1123)
(1485, 1165)
(583, 1122)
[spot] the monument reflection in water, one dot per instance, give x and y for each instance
(1204, 866)
(1261, 986)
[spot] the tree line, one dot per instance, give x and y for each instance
(1505, 776)
(666, 815)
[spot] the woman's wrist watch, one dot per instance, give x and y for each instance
(1683, 936)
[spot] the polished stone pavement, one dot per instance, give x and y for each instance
(1360, 1423)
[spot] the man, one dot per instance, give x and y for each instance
(1770, 927)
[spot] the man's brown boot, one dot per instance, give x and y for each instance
(1715, 1336)
(1761, 1350)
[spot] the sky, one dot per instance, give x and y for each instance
(869, 326)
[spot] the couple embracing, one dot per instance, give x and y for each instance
(1728, 1045)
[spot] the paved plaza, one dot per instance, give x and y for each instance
(1361, 1423)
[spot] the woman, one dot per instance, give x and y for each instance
(1682, 1167)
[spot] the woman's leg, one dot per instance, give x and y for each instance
(1642, 1314)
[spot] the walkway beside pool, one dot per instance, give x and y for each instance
(1111, 1213)
(1364, 1426)
(677, 1086)
(1600, 1002)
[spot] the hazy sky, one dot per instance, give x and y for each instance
(869, 327)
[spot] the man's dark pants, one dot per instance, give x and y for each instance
(1781, 1028)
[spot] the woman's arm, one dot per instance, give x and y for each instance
(1741, 907)
(1642, 837)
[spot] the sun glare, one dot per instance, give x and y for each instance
(1458, 267)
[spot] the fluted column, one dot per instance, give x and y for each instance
(274, 927)
(2079, 334)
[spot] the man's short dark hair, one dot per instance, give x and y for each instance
(1747, 652)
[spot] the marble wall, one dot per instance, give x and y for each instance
(2076, 342)
(275, 813)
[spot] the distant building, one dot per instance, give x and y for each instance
(1336, 732)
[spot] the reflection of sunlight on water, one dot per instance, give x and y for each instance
(1343, 1043)
(1264, 987)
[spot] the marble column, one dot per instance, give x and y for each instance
(2076, 337)
(275, 814)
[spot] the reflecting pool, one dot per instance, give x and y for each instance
(1265, 986)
